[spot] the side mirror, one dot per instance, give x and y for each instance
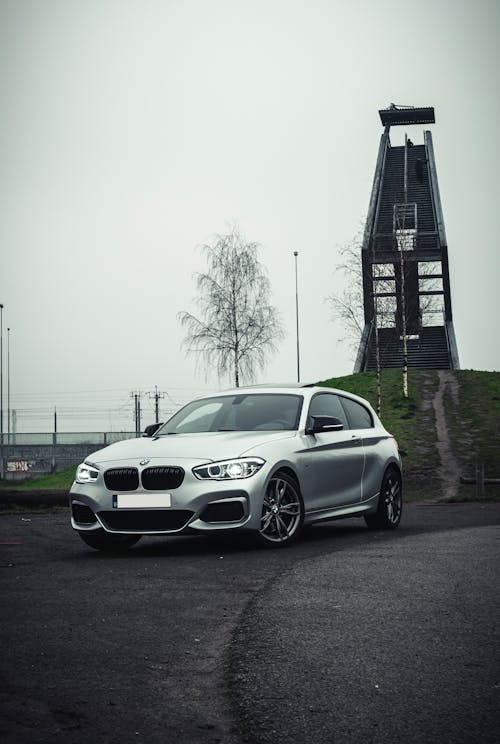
(324, 423)
(151, 430)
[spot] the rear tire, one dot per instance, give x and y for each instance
(390, 503)
(108, 542)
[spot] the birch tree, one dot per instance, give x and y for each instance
(236, 328)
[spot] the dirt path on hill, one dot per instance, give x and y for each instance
(449, 471)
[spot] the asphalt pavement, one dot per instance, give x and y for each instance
(349, 636)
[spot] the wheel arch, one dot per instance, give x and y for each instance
(287, 470)
(394, 465)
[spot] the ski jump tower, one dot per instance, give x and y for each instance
(406, 282)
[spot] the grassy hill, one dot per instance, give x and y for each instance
(472, 421)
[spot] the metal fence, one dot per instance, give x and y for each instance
(27, 455)
(101, 438)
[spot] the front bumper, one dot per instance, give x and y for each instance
(196, 506)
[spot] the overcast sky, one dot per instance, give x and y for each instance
(132, 131)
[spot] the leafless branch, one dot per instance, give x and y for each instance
(236, 328)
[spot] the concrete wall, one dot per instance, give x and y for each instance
(30, 460)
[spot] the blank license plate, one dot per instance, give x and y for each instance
(142, 501)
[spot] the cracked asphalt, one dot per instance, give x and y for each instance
(348, 636)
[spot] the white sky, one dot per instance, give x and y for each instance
(133, 131)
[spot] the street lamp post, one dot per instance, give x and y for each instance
(1, 392)
(295, 253)
(8, 385)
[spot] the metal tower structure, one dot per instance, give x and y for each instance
(406, 282)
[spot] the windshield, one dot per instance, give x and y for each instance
(246, 412)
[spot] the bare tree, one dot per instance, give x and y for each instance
(347, 306)
(237, 327)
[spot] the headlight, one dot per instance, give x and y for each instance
(229, 469)
(86, 473)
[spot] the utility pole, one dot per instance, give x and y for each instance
(157, 395)
(54, 441)
(137, 412)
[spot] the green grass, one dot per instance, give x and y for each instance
(469, 493)
(410, 420)
(55, 481)
(473, 425)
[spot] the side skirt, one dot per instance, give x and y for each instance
(338, 512)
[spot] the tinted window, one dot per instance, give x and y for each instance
(359, 416)
(245, 412)
(200, 418)
(263, 412)
(328, 404)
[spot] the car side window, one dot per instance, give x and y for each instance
(359, 416)
(328, 404)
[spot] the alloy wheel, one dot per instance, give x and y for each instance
(392, 495)
(282, 511)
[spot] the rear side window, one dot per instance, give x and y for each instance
(359, 416)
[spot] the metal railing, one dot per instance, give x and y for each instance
(101, 438)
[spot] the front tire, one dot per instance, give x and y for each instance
(282, 512)
(390, 503)
(108, 542)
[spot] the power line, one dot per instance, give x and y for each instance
(97, 410)
(157, 396)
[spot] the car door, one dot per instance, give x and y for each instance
(334, 460)
(361, 425)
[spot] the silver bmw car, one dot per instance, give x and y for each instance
(264, 460)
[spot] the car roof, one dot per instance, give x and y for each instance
(291, 388)
(275, 386)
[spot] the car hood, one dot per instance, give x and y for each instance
(205, 447)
